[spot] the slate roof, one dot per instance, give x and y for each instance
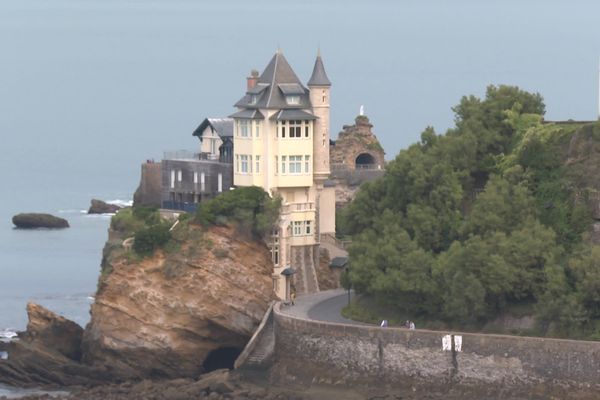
(319, 76)
(223, 127)
(339, 262)
(294, 114)
(249, 114)
(277, 80)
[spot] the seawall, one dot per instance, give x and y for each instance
(339, 354)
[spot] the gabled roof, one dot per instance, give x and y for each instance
(277, 80)
(319, 76)
(223, 127)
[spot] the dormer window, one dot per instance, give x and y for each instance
(254, 99)
(293, 100)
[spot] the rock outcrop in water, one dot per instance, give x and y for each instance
(102, 207)
(162, 316)
(47, 353)
(37, 220)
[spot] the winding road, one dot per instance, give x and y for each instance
(322, 306)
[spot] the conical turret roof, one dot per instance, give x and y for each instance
(319, 76)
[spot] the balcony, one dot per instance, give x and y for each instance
(187, 155)
(297, 207)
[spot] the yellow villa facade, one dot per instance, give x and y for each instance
(281, 143)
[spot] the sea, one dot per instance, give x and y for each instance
(91, 89)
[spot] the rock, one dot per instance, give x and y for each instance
(163, 315)
(36, 220)
(54, 331)
(46, 354)
(101, 207)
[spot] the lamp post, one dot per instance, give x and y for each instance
(348, 283)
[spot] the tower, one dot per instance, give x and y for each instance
(320, 88)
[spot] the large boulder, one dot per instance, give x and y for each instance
(47, 353)
(53, 331)
(37, 220)
(162, 316)
(102, 207)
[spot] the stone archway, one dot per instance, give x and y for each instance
(365, 161)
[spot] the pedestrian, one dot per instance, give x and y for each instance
(412, 325)
(293, 297)
(407, 324)
(384, 323)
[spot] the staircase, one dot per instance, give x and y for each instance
(261, 347)
(305, 279)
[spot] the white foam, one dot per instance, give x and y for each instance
(121, 203)
(6, 335)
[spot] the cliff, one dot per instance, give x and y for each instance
(184, 310)
(162, 316)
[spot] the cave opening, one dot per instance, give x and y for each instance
(223, 357)
(365, 160)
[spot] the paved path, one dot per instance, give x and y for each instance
(322, 306)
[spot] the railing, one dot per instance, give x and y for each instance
(189, 155)
(178, 205)
(368, 166)
(293, 207)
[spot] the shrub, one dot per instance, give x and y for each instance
(250, 208)
(150, 238)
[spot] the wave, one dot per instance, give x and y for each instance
(6, 335)
(72, 211)
(121, 203)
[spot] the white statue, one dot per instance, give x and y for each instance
(361, 112)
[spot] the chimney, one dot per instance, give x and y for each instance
(252, 79)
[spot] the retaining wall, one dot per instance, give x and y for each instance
(365, 354)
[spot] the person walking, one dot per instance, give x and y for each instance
(293, 297)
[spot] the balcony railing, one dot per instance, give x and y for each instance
(298, 207)
(189, 155)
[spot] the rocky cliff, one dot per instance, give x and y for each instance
(162, 316)
(184, 310)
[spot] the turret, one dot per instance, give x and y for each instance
(320, 87)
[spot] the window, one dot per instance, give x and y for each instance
(202, 182)
(283, 164)
(282, 127)
(306, 126)
(257, 128)
(179, 175)
(295, 129)
(253, 99)
(308, 227)
(295, 164)
(244, 128)
(297, 227)
(306, 164)
(195, 177)
(250, 164)
(213, 146)
(220, 183)
(293, 100)
(244, 163)
(276, 254)
(257, 170)
(172, 178)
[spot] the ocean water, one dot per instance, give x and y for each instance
(89, 89)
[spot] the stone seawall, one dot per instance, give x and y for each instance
(345, 354)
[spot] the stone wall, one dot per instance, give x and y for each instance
(353, 141)
(148, 192)
(365, 355)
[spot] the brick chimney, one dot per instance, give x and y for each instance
(252, 79)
